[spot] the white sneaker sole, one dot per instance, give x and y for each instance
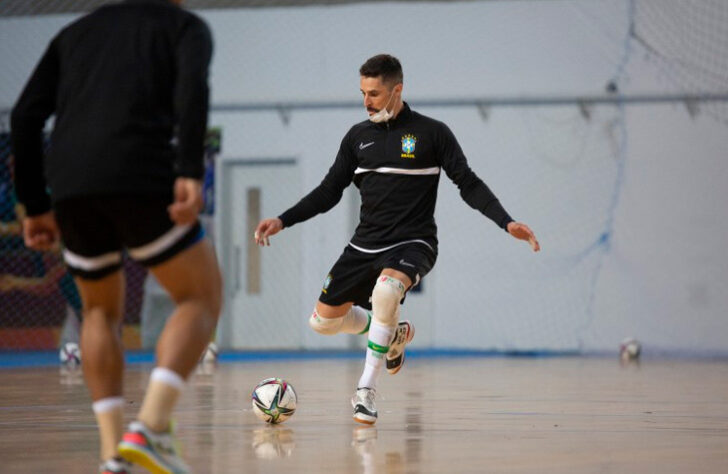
(364, 418)
(408, 338)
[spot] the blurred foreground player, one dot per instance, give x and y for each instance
(122, 82)
(395, 159)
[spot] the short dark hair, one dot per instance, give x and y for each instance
(384, 65)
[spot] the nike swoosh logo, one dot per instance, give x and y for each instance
(402, 262)
(363, 145)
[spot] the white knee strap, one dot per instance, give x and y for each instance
(386, 296)
(326, 326)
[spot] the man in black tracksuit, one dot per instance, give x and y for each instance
(123, 81)
(395, 159)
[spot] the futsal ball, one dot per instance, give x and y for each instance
(70, 354)
(630, 349)
(209, 356)
(274, 400)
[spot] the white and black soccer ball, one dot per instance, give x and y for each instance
(630, 349)
(274, 400)
(70, 355)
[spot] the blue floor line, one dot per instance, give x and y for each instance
(50, 358)
(29, 359)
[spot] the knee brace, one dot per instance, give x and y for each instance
(387, 294)
(326, 326)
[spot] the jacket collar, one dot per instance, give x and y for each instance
(403, 116)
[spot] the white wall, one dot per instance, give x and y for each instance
(447, 50)
(628, 204)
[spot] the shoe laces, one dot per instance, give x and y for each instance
(164, 443)
(161, 441)
(367, 397)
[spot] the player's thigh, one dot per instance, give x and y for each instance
(179, 256)
(105, 294)
(192, 274)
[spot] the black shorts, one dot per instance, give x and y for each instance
(353, 276)
(95, 230)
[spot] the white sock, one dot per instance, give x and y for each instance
(160, 399)
(379, 338)
(110, 420)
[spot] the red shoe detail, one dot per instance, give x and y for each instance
(136, 438)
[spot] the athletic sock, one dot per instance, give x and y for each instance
(379, 338)
(163, 391)
(110, 419)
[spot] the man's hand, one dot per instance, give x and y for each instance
(265, 229)
(187, 201)
(41, 232)
(523, 232)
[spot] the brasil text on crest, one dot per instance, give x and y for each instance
(408, 146)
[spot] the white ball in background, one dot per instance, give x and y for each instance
(70, 354)
(630, 349)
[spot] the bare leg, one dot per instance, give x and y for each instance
(192, 278)
(102, 357)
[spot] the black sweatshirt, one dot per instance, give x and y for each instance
(396, 166)
(119, 80)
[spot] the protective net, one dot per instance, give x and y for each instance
(687, 41)
(592, 178)
(39, 301)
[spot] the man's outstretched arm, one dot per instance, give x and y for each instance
(324, 197)
(476, 193)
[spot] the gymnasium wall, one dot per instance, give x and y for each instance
(626, 197)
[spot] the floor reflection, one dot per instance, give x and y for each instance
(206, 367)
(413, 427)
(364, 440)
(70, 375)
(273, 442)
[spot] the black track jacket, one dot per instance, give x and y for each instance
(119, 80)
(396, 166)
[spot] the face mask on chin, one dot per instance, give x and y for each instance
(383, 115)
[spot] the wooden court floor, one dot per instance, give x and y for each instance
(438, 415)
